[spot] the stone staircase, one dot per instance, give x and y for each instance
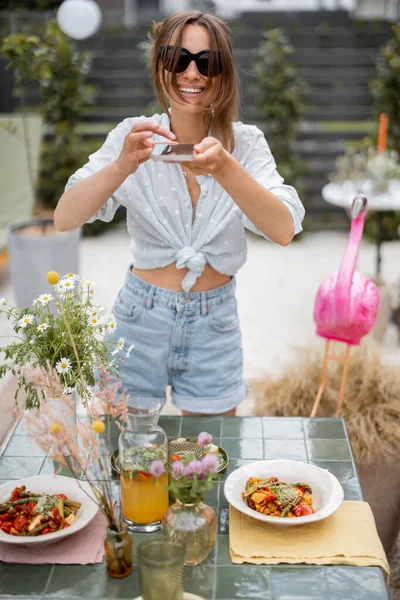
(337, 58)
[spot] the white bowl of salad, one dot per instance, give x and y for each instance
(44, 508)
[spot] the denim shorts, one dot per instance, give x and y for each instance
(190, 341)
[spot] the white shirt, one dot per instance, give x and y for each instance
(160, 213)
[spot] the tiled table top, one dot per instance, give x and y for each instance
(322, 442)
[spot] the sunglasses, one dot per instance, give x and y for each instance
(208, 62)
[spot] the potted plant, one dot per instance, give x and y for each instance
(189, 520)
(34, 246)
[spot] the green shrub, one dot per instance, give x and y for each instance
(53, 61)
(279, 94)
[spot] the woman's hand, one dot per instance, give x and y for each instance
(210, 157)
(138, 147)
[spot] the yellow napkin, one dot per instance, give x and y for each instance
(349, 537)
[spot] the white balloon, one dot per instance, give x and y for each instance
(79, 19)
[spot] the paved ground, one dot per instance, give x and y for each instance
(276, 291)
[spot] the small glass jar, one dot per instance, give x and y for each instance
(118, 551)
(194, 525)
(144, 498)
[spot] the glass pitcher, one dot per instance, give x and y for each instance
(144, 498)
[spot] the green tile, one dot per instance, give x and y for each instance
(91, 581)
(328, 449)
(17, 467)
(242, 427)
(343, 470)
(192, 426)
(171, 426)
(282, 427)
(354, 583)
(223, 555)
(243, 448)
(200, 579)
(298, 582)
(21, 428)
(223, 521)
(291, 449)
(352, 492)
(51, 467)
(324, 428)
(244, 582)
(21, 445)
(27, 581)
(212, 497)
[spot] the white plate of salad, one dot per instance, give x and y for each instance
(44, 508)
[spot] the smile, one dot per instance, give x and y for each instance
(189, 90)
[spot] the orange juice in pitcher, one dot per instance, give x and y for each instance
(144, 497)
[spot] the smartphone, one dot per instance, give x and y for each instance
(175, 153)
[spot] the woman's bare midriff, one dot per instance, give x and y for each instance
(170, 278)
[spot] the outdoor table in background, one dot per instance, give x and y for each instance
(342, 194)
(322, 442)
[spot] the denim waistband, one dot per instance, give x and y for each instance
(153, 295)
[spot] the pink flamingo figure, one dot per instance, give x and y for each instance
(347, 303)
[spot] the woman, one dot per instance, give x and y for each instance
(187, 221)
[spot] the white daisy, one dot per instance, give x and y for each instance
(3, 301)
(109, 322)
(44, 299)
(88, 285)
(67, 283)
(63, 365)
(94, 321)
(26, 320)
(119, 346)
(42, 327)
(129, 350)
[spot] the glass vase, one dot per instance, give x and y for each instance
(118, 552)
(144, 498)
(194, 525)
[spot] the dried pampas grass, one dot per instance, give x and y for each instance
(371, 407)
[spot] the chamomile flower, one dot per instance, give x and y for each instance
(88, 285)
(109, 323)
(26, 320)
(3, 302)
(129, 350)
(42, 327)
(44, 299)
(63, 365)
(119, 346)
(67, 283)
(94, 321)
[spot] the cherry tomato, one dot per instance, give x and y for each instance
(63, 496)
(16, 494)
(6, 527)
(20, 522)
(301, 510)
(6, 517)
(46, 530)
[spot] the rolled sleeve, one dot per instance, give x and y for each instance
(108, 152)
(260, 163)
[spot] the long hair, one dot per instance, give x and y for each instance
(226, 104)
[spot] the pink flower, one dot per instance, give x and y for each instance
(177, 469)
(157, 468)
(195, 467)
(204, 438)
(210, 463)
